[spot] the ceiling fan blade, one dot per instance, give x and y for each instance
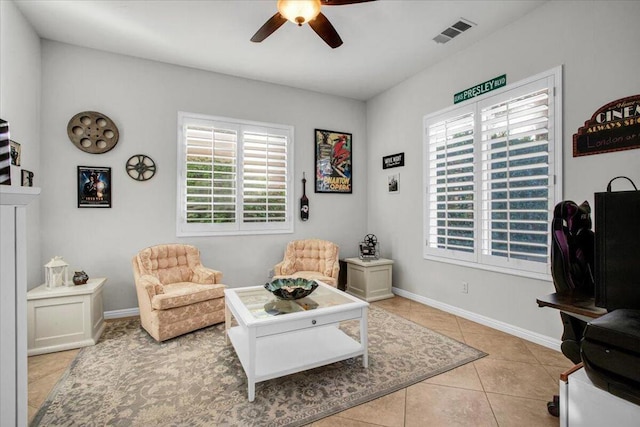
(269, 27)
(325, 30)
(342, 2)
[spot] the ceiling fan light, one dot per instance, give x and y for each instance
(299, 11)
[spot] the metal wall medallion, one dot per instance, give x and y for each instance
(93, 132)
(141, 167)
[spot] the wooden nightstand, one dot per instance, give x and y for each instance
(64, 318)
(369, 280)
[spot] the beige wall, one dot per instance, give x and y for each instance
(596, 42)
(20, 74)
(143, 98)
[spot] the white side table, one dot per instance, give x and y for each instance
(65, 317)
(369, 280)
(582, 404)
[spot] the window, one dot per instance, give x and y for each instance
(234, 177)
(492, 178)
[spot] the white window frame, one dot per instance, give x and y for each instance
(238, 227)
(476, 259)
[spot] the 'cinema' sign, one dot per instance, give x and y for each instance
(614, 127)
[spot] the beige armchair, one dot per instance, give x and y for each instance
(311, 259)
(176, 293)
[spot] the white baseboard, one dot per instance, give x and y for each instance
(117, 314)
(534, 337)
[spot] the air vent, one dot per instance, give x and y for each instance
(457, 28)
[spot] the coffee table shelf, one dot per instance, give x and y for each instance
(276, 356)
(271, 346)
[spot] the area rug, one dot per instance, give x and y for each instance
(128, 379)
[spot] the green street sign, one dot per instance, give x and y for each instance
(482, 88)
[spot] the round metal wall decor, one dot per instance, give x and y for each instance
(141, 167)
(93, 132)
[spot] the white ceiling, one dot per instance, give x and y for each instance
(385, 41)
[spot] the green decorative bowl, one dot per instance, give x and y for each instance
(289, 289)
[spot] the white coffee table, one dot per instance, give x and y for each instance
(275, 338)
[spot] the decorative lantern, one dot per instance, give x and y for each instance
(56, 273)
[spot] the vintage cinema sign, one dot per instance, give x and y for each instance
(482, 88)
(614, 127)
(393, 161)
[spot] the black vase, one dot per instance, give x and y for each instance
(80, 278)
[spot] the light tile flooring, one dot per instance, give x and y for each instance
(509, 387)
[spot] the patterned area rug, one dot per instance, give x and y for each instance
(128, 379)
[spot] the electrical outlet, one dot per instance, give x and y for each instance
(465, 287)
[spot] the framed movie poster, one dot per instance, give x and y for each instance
(94, 187)
(333, 162)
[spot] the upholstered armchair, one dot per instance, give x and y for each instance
(176, 293)
(311, 259)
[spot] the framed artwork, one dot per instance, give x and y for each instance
(393, 182)
(94, 187)
(333, 162)
(393, 161)
(27, 178)
(15, 153)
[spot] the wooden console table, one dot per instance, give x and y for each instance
(573, 399)
(574, 303)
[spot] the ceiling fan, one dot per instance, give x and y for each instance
(301, 12)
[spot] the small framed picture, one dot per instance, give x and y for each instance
(94, 187)
(15, 153)
(27, 178)
(393, 182)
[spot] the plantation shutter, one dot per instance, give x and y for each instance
(211, 177)
(451, 187)
(492, 176)
(234, 177)
(265, 172)
(517, 194)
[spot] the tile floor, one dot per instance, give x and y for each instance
(509, 387)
